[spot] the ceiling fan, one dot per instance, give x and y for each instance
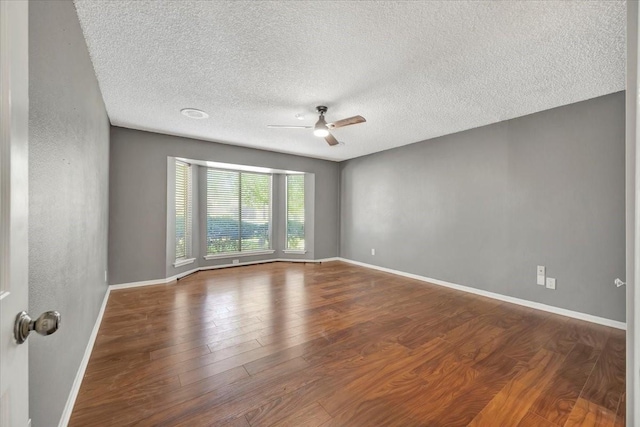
(321, 128)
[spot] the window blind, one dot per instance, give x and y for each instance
(295, 212)
(183, 210)
(256, 211)
(238, 211)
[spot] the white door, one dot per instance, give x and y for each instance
(632, 217)
(14, 121)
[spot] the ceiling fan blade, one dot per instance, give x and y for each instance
(288, 127)
(331, 140)
(346, 122)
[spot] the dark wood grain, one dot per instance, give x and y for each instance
(309, 416)
(535, 420)
(334, 344)
(559, 396)
(606, 385)
(588, 414)
(513, 401)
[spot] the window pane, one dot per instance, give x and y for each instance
(223, 211)
(295, 212)
(256, 211)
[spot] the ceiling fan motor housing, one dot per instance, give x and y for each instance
(321, 124)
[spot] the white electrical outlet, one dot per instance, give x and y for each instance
(373, 251)
(540, 275)
(551, 283)
(105, 275)
(236, 261)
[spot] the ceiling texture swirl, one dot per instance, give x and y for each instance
(415, 70)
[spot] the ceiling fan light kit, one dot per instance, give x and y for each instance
(321, 128)
(318, 131)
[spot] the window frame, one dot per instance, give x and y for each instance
(188, 249)
(240, 253)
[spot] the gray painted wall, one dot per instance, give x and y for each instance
(68, 195)
(138, 198)
(483, 207)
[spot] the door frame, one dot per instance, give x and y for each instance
(14, 208)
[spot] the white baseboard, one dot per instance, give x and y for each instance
(311, 261)
(240, 264)
(77, 382)
(536, 305)
(213, 267)
(335, 258)
(141, 283)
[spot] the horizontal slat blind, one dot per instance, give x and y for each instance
(295, 212)
(223, 211)
(183, 210)
(238, 211)
(256, 211)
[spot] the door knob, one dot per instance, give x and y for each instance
(46, 324)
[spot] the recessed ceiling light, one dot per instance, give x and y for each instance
(193, 113)
(300, 116)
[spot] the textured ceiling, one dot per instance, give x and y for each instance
(415, 70)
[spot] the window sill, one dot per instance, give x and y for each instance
(238, 254)
(294, 251)
(181, 262)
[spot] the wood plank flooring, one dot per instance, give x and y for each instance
(334, 344)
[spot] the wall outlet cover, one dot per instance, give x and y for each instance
(236, 261)
(541, 270)
(540, 280)
(373, 251)
(551, 283)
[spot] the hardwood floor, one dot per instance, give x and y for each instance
(339, 345)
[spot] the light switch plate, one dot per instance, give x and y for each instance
(540, 272)
(551, 283)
